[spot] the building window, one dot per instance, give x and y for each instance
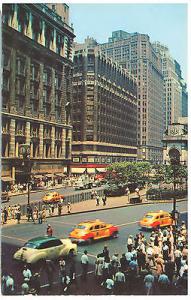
(20, 66)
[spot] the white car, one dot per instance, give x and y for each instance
(42, 248)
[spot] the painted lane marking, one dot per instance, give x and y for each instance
(59, 222)
(129, 223)
(13, 237)
(120, 225)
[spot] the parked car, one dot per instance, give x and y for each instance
(156, 219)
(44, 247)
(89, 231)
(4, 197)
(114, 190)
(52, 197)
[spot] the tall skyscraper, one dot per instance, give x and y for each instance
(104, 109)
(134, 52)
(183, 84)
(37, 87)
(172, 86)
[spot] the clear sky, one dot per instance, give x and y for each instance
(166, 23)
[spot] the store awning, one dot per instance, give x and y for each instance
(38, 176)
(60, 174)
(101, 169)
(90, 170)
(7, 178)
(78, 170)
(49, 175)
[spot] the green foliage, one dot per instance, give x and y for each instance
(141, 172)
(131, 171)
(171, 173)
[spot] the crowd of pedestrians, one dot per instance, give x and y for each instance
(157, 265)
(33, 213)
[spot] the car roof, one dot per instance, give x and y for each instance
(91, 222)
(157, 212)
(41, 239)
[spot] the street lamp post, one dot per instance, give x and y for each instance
(175, 162)
(24, 150)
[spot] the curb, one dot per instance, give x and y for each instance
(37, 191)
(106, 208)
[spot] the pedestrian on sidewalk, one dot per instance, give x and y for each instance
(97, 200)
(52, 208)
(69, 207)
(62, 267)
(44, 213)
(27, 274)
(137, 191)
(149, 283)
(5, 211)
(29, 213)
(40, 217)
(25, 287)
(50, 269)
(35, 283)
(9, 285)
(59, 209)
(104, 199)
(108, 285)
(127, 193)
(92, 194)
(65, 281)
(84, 264)
(18, 215)
(49, 209)
(35, 214)
(9, 212)
(49, 230)
(119, 279)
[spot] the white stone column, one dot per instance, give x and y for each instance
(52, 142)
(41, 154)
(27, 133)
(12, 138)
(63, 147)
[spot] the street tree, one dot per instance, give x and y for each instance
(134, 172)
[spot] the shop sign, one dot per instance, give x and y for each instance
(76, 159)
(90, 159)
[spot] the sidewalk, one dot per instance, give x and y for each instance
(57, 186)
(90, 205)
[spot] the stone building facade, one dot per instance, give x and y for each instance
(172, 85)
(134, 52)
(104, 109)
(176, 139)
(37, 88)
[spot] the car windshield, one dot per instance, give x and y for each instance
(81, 227)
(31, 245)
(48, 195)
(149, 216)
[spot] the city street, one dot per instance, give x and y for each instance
(126, 218)
(37, 195)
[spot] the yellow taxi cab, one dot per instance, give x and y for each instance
(89, 231)
(52, 197)
(153, 220)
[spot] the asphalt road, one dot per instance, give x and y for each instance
(126, 218)
(37, 195)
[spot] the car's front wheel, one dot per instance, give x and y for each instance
(90, 241)
(114, 234)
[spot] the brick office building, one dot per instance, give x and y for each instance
(135, 52)
(37, 88)
(104, 110)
